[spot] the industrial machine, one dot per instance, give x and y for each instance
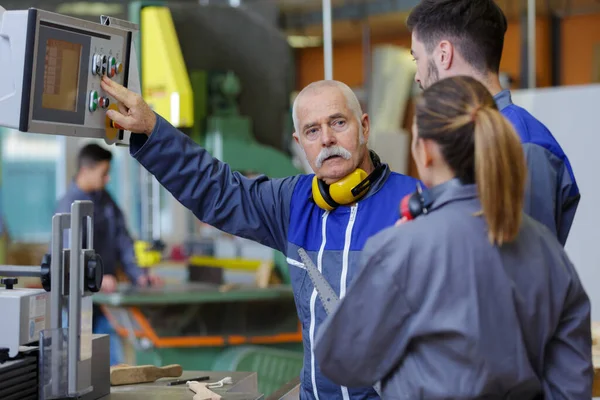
(232, 101)
(64, 359)
(52, 65)
(232, 98)
(241, 61)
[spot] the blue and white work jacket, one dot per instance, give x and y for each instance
(278, 213)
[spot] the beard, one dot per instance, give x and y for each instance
(433, 75)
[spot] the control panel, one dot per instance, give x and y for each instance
(54, 65)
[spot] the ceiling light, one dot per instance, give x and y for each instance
(90, 9)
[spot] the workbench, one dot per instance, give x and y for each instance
(203, 326)
(185, 293)
(244, 387)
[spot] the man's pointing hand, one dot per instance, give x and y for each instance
(134, 114)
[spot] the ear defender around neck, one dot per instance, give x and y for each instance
(347, 190)
(415, 204)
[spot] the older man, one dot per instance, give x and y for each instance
(318, 212)
(466, 37)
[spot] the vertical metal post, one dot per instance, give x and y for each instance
(55, 268)
(60, 222)
(327, 40)
(556, 48)
(147, 205)
(75, 293)
(366, 54)
(531, 67)
(156, 228)
(79, 210)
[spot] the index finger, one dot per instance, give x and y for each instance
(118, 92)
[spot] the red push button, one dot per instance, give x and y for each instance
(113, 124)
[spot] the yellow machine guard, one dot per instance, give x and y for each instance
(165, 82)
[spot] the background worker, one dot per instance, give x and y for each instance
(466, 37)
(111, 237)
(472, 299)
(288, 213)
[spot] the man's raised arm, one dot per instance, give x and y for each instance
(256, 209)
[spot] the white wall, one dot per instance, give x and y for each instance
(573, 116)
(389, 94)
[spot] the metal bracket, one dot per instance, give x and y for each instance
(119, 23)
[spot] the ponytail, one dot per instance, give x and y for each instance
(500, 174)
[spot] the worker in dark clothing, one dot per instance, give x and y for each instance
(111, 237)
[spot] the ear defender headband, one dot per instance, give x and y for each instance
(347, 190)
(416, 203)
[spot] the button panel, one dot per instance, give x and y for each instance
(106, 65)
(103, 65)
(105, 55)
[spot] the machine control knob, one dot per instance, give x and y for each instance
(104, 64)
(45, 275)
(119, 68)
(104, 102)
(112, 66)
(9, 282)
(94, 271)
(93, 101)
(114, 125)
(97, 64)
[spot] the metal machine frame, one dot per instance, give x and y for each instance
(75, 269)
(104, 49)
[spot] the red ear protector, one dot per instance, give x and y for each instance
(416, 203)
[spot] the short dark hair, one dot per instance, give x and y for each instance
(91, 154)
(477, 28)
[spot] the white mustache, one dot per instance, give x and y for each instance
(332, 151)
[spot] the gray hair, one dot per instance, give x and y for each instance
(351, 100)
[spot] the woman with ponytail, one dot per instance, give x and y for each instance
(468, 298)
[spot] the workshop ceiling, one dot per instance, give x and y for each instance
(387, 18)
(384, 18)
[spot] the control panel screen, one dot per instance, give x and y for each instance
(61, 75)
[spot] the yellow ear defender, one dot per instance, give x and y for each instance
(346, 191)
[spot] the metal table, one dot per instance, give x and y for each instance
(186, 293)
(244, 387)
(199, 325)
(202, 315)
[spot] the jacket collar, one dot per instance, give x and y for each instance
(75, 191)
(503, 99)
(451, 191)
(380, 181)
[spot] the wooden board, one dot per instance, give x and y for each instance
(124, 374)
